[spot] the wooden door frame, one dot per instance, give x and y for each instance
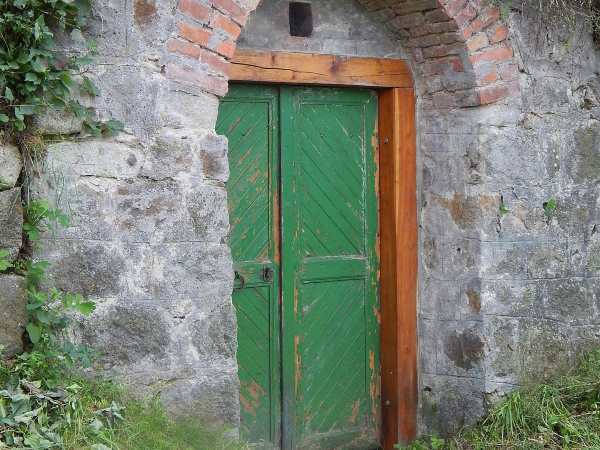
(397, 206)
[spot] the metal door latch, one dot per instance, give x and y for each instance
(268, 274)
(241, 279)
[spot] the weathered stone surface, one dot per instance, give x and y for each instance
(11, 221)
(92, 268)
(11, 164)
(340, 28)
(506, 294)
(54, 121)
(94, 158)
(13, 314)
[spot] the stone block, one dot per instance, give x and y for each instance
(502, 361)
(544, 348)
(118, 159)
(11, 222)
(188, 157)
(128, 334)
(11, 164)
(13, 314)
(450, 403)
(193, 113)
(54, 121)
(513, 298)
(214, 335)
(184, 270)
(461, 258)
(212, 395)
(93, 268)
(583, 166)
(506, 260)
(428, 342)
(461, 349)
(464, 214)
(567, 301)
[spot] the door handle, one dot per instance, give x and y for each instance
(268, 274)
(240, 277)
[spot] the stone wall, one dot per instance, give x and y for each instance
(340, 28)
(149, 222)
(13, 316)
(508, 114)
(509, 297)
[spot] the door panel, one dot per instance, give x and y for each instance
(249, 118)
(330, 338)
(308, 341)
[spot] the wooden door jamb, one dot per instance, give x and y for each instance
(397, 200)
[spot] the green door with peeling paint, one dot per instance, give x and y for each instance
(303, 213)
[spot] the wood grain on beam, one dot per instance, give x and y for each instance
(398, 222)
(308, 68)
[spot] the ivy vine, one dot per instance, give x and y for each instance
(35, 74)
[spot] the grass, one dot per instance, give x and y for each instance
(563, 413)
(97, 415)
(144, 425)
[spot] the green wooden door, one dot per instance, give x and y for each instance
(312, 372)
(249, 117)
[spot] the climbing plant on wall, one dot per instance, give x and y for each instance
(34, 73)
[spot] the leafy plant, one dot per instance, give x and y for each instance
(48, 308)
(39, 216)
(34, 74)
(5, 264)
(549, 207)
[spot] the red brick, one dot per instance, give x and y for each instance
(491, 94)
(183, 48)
(433, 28)
(204, 80)
(226, 48)
(485, 19)
(443, 65)
(498, 33)
(228, 26)
(434, 67)
(465, 16)
(195, 10)
(408, 21)
(456, 64)
(214, 61)
(454, 6)
(497, 54)
(437, 15)
(443, 50)
(487, 74)
(424, 41)
(193, 33)
(464, 98)
(415, 6)
(231, 9)
(450, 38)
(477, 42)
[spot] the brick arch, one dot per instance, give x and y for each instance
(460, 49)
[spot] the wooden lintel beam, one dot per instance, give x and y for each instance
(326, 70)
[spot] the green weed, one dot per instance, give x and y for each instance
(563, 413)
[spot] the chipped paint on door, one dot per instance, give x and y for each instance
(328, 367)
(249, 118)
